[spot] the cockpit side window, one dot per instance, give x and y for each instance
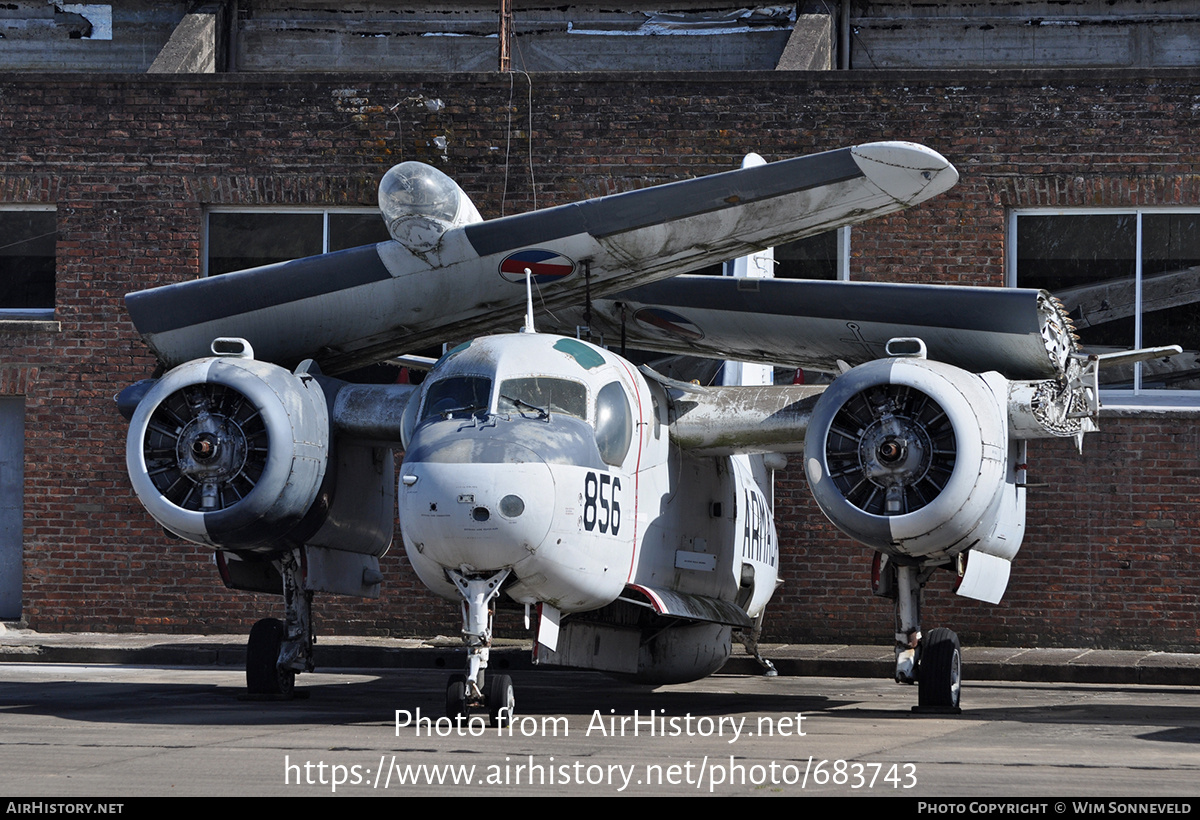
(614, 423)
(457, 397)
(543, 393)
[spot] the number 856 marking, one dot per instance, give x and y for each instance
(601, 490)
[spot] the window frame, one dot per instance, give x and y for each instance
(1138, 396)
(277, 209)
(26, 313)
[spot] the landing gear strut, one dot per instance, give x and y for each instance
(749, 638)
(933, 661)
(278, 650)
(477, 689)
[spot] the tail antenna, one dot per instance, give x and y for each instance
(528, 302)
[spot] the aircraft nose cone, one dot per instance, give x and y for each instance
(481, 516)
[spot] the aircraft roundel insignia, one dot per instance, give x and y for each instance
(667, 322)
(546, 266)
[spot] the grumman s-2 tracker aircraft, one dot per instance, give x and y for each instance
(631, 511)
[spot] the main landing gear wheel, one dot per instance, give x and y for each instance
(263, 673)
(939, 675)
(500, 700)
(456, 698)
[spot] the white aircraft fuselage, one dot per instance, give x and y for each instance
(551, 457)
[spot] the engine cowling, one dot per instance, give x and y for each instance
(912, 458)
(231, 452)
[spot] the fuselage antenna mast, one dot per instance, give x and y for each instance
(528, 302)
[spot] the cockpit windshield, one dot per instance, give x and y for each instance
(544, 394)
(457, 397)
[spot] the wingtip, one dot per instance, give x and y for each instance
(906, 171)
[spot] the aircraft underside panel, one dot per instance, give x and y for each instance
(667, 652)
(693, 607)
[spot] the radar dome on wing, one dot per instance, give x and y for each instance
(419, 203)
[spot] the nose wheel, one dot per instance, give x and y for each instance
(498, 700)
(456, 698)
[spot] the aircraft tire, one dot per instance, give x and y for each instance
(500, 695)
(263, 675)
(939, 676)
(456, 697)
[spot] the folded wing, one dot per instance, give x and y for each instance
(1021, 333)
(354, 307)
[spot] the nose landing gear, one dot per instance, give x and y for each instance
(476, 689)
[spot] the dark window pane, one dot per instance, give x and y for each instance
(246, 240)
(815, 257)
(1171, 296)
(1088, 261)
(353, 230)
(27, 245)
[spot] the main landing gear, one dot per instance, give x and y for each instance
(278, 650)
(933, 661)
(478, 690)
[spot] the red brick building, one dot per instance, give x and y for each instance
(130, 169)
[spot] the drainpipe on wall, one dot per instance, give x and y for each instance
(844, 35)
(231, 39)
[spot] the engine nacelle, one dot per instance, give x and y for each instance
(231, 452)
(912, 458)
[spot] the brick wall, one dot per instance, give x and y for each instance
(1110, 558)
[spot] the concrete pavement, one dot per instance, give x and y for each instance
(980, 663)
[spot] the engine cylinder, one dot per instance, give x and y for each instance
(230, 452)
